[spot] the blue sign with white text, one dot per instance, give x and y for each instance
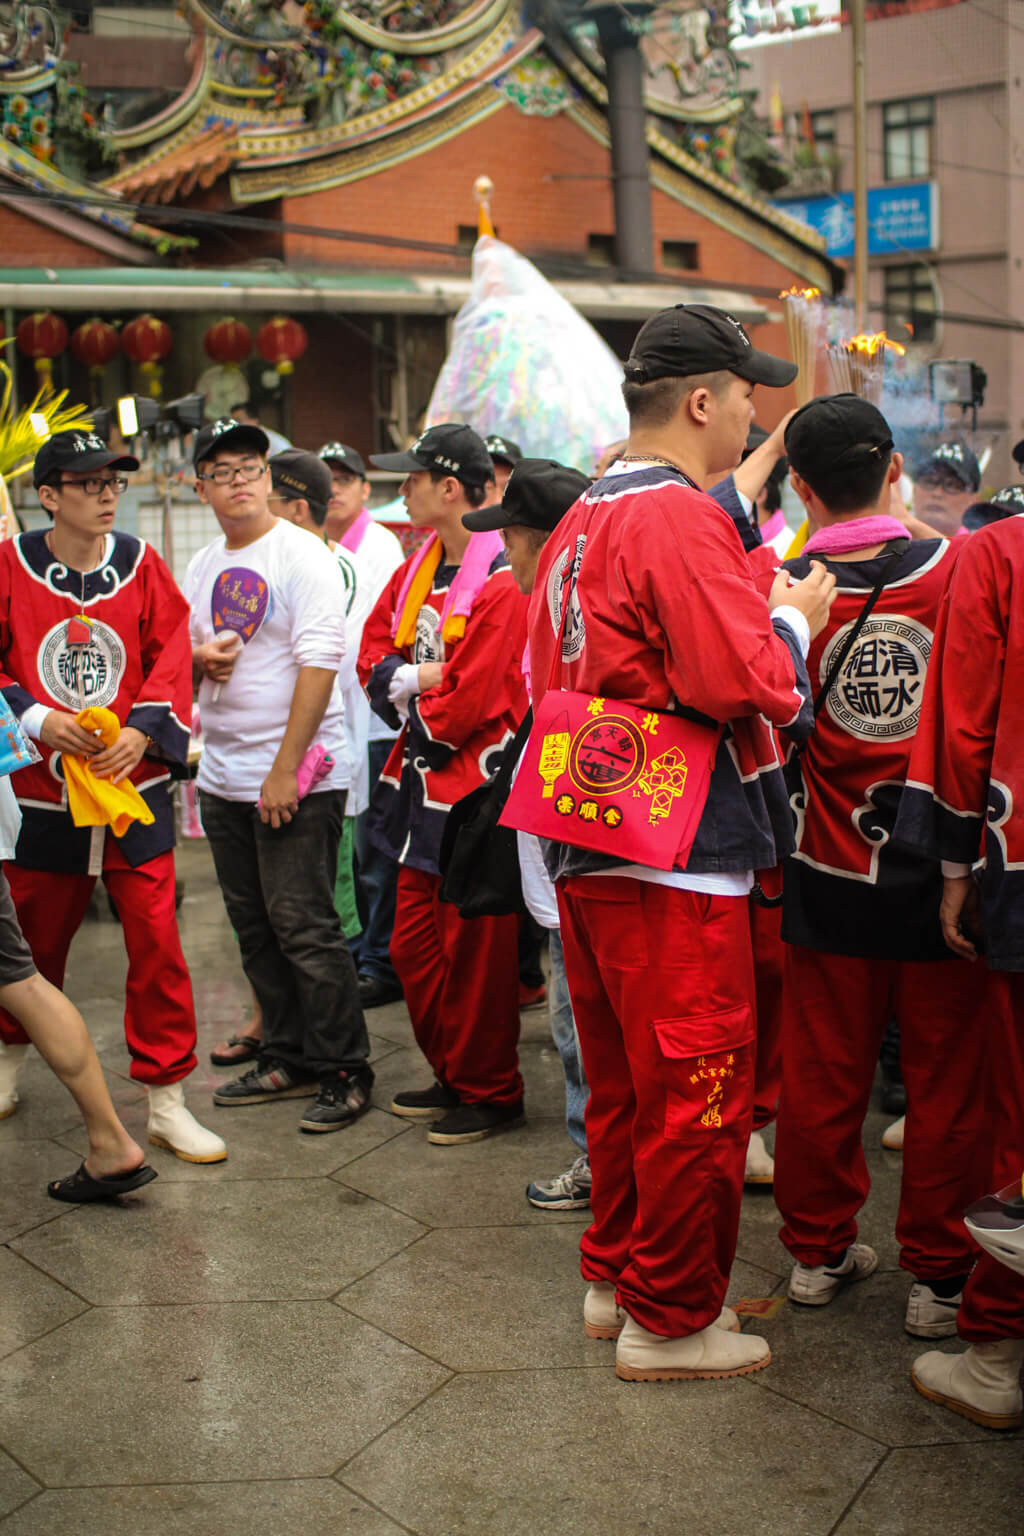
(903, 218)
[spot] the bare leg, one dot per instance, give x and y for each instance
(58, 1032)
(253, 1030)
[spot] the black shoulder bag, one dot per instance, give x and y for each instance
(479, 861)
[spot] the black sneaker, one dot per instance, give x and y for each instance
(264, 1083)
(474, 1122)
(376, 993)
(425, 1103)
(341, 1100)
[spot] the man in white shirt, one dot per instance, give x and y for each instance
(376, 555)
(268, 635)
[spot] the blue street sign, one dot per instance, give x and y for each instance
(901, 218)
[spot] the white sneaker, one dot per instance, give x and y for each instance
(930, 1316)
(172, 1126)
(760, 1167)
(12, 1059)
(982, 1384)
(892, 1136)
(712, 1354)
(816, 1285)
(603, 1319)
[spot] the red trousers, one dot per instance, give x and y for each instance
(461, 985)
(159, 1015)
(662, 986)
(836, 1012)
(769, 960)
(993, 1304)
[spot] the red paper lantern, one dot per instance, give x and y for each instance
(281, 342)
(146, 340)
(42, 337)
(228, 341)
(95, 343)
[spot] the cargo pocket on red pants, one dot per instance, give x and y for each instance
(703, 1054)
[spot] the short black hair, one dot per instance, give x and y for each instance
(476, 495)
(317, 513)
(655, 403)
(773, 485)
(856, 483)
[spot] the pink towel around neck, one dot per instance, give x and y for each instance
(858, 533)
(467, 584)
(353, 536)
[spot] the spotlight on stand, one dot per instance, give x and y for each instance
(138, 414)
(955, 381)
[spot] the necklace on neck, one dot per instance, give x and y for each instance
(656, 458)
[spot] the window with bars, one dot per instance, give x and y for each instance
(910, 303)
(907, 138)
(823, 127)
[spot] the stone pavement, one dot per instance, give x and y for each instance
(366, 1334)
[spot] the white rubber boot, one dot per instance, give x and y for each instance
(983, 1384)
(892, 1136)
(760, 1167)
(602, 1319)
(710, 1355)
(12, 1059)
(172, 1126)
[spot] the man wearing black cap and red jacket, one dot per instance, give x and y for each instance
(860, 916)
(441, 655)
(92, 617)
(645, 595)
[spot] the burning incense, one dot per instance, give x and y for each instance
(857, 365)
(803, 312)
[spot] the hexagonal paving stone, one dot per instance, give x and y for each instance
(253, 1390)
(236, 1241)
(15, 1485)
(202, 1509)
(555, 1453)
(968, 1490)
(32, 1303)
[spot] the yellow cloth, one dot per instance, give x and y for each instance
(800, 538)
(419, 591)
(97, 802)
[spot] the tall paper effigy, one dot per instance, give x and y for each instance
(525, 363)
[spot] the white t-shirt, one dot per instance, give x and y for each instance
(304, 626)
(376, 560)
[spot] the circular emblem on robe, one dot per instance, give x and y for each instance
(79, 675)
(877, 694)
(607, 755)
(575, 630)
(428, 645)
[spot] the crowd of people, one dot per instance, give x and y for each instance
(855, 839)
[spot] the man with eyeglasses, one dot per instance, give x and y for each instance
(92, 617)
(268, 637)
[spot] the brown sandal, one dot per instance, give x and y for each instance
(220, 1057)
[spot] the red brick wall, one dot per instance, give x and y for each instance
(27, 243)
(332, 386)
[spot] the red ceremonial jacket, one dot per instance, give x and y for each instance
(664, 613)
(965, 786)
(847, 889)
(137, 662)
(455, 734)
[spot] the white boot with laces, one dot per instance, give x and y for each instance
(982, 1384)
(172, 1126)
(12, 1059)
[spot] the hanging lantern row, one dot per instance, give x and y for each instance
(147, 340)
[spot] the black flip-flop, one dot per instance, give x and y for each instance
(80, 1187)
(254, 1046)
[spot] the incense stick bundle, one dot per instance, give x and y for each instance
(857, 365)
(802, 309)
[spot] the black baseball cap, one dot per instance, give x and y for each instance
(538, 495)
(79, 450)
(1008, 502)
(697, 338)
(228, 433)
(502, 449)
(836, 431)
(344, 457)
(452, 448)
(1018, 453)
(299, 475)
(955, 457)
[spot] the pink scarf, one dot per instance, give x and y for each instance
(858, 533)
(353, 536)
(774, 525)
(467, 584)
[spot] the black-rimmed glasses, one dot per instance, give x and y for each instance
(224, 474)
(95, 485)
